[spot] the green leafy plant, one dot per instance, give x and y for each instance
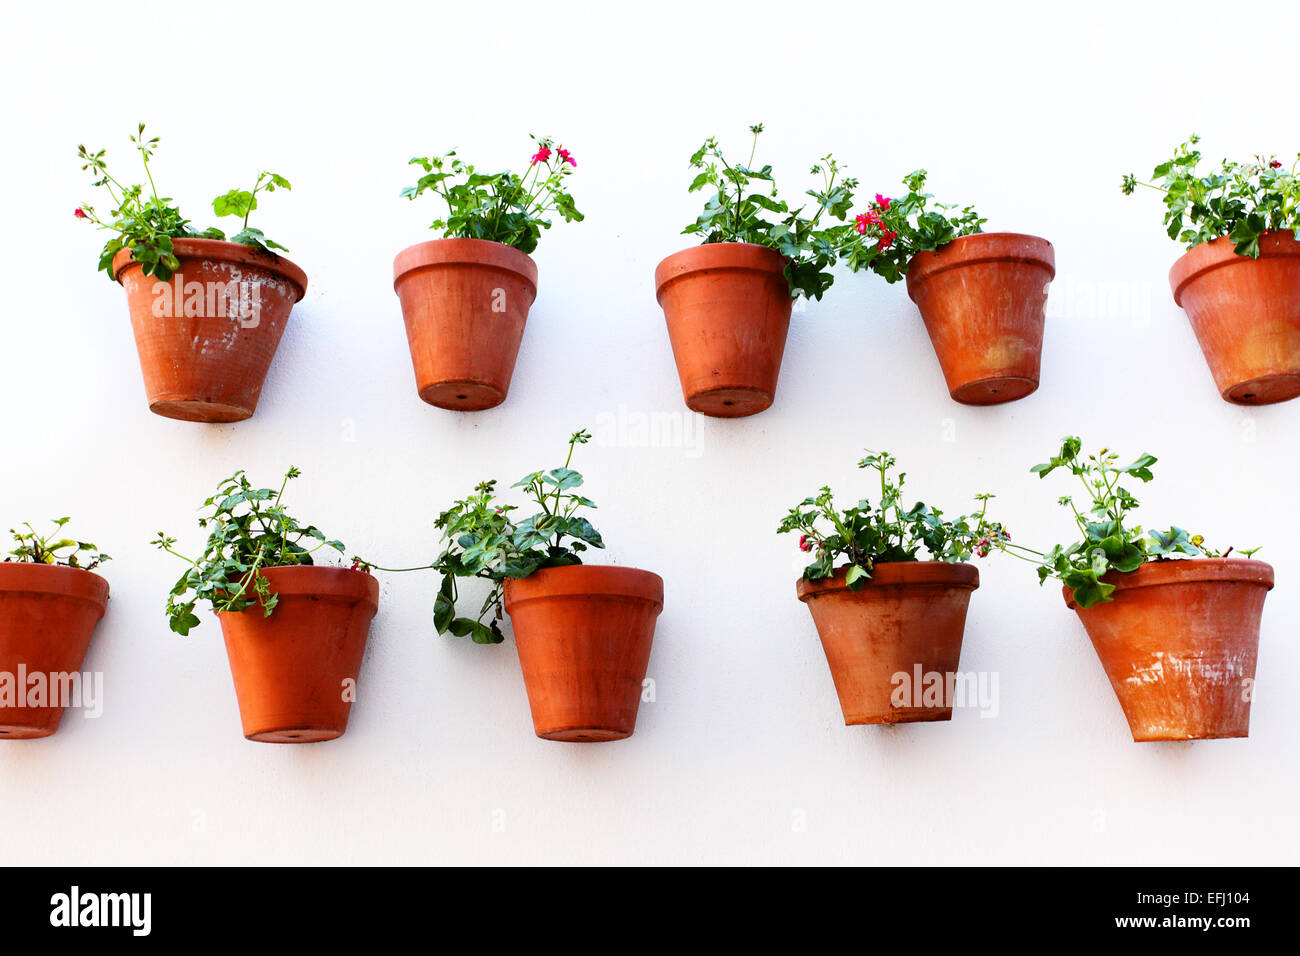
(1242, 201)
(893, 230)
(147, 223)
(499, 207)
(241, 202)
(745, 207)
(1110, 539)
(249, 530)
(864, 535)
(484, 540)
(36, 548)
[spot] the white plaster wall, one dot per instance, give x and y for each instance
(1031, 112)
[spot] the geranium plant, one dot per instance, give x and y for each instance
(485, 540)
(146, 223)
(1242, 201)
(500, 207)
(745, 207)
(892, 230)
(863, 535)
(249, 530)
(36, 548)
(1110, 538)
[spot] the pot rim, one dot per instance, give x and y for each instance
(24, 577)
(736, 256)
(1184, 571)
(956, 254)
(907, 574)
(583, 580)
(223, 251)
(1217, 253)
(314, 580)
(457, 250)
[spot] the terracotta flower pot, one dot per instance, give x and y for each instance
(1178, 641)
(206, 336)
(1246, 315)
(47, 617)
(908, 620)
(583, 634)
(728, 310)
(465, 302)
(983, 299)
(295, 672)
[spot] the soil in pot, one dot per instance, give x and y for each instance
(47, 617)
(584, 634)
(1246, 316)
(296, 671)
(465, 303)
(727, 306)
(983, 299)
(206, 337)
(910, 615)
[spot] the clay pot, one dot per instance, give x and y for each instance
(295, 672)
(983, 299)
(206, 336)
(728, 310)
(1178, 641)
(465, 302)
(1246, 315)
(907, 620)
(47, 616)
(584, 634)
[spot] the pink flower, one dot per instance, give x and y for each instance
(883, 202)
(1275, 165)
(983, 547)
(865, 219)
(567, 156)
(79, 213)
(542, 155)
(805, 543)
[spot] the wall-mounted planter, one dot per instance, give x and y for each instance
(728, 307)
(984, 299)
(292, 669)
(1178, 641)
(47, 616)
(1246, 316)
(584, 634)
(206, 336)
(465, 303)
(910, 614)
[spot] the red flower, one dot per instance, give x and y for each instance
(542, 155)
(887, 239)
(1275, 165)
(883, 202)
(805, 543)
(79, 213)
(567, 156)
(865, 219)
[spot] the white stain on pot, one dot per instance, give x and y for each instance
(1213, 671)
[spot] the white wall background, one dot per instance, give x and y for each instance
(1029, 112)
